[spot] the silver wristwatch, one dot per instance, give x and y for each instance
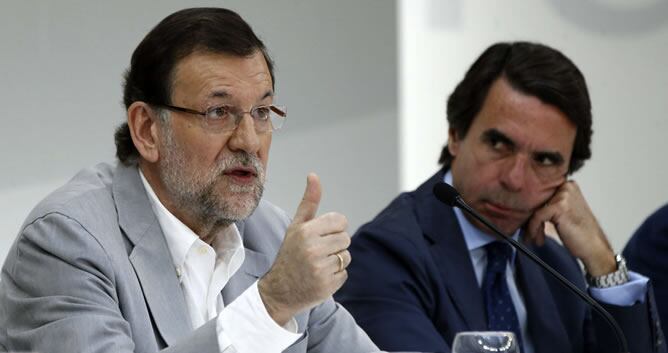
(616, 278)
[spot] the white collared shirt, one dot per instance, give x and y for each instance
(203, 270)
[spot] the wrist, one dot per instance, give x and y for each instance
(278, 312)
(614, 278)
(601, 265)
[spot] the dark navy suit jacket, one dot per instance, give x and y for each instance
(647, 253)
(412, 287)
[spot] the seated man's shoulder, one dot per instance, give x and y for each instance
(77, 223)
(86, 199)
(654, 228)
(395, 229)
(398, 215)
(404, 218)
(79, 193)
(645, 250)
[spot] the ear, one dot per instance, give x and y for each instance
(143, 125)
(453, 142)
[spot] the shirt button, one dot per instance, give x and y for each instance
(178, 272)
(202, 250)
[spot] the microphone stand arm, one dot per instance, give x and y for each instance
(459, 202)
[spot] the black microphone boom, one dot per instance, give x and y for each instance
(449, 195)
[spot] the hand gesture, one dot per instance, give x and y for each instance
(577, 228)
(310, 265)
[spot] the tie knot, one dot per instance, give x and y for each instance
(498, 254)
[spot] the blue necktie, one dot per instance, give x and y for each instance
(501, 314)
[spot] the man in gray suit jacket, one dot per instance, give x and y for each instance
(173, 249)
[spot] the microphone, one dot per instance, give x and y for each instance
(450, 196)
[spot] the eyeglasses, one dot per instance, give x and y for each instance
(226, 117)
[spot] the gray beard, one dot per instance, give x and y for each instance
(194, 191)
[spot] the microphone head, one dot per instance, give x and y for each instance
(446, 194)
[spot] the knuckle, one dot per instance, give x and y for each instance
(346, 240)
(348, 257)
(343, 220)
(562, 203)
(337, 220)
(328, 216)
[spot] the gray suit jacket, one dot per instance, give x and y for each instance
(90, 271)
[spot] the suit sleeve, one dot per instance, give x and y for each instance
(640, 325)
(388, 292)
(331, 328)
(59, 294)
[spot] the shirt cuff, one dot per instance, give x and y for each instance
(246, 325)
(627, 294)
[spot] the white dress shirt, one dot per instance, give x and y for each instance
(203, 270)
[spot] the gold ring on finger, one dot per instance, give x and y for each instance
(340, 261)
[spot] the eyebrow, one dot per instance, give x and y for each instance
(494, 134)
(224, 94)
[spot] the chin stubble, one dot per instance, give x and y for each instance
(197, 192)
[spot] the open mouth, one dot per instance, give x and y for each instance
(241, 174)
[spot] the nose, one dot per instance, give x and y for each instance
(244, 137)
(514, 176)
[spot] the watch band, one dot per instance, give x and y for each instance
(612, 279)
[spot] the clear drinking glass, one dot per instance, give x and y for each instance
(485, 342)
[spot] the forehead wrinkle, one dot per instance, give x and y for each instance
(206, 76)
(225, 86)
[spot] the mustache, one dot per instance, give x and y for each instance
(240, 159)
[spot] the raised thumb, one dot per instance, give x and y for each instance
(308, 207)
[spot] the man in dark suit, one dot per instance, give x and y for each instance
(519, 125)
(646, 253)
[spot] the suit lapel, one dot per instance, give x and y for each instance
(545, 326)
(451, 255)
(150, 256)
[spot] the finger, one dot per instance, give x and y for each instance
(328, 223)
(333, 243)
(536, 225)
(308, 207)
(339, 261)
(339, 279)
(347, 258)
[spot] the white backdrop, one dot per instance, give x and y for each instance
(60, 95)
(365, 81)
(620, 46)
